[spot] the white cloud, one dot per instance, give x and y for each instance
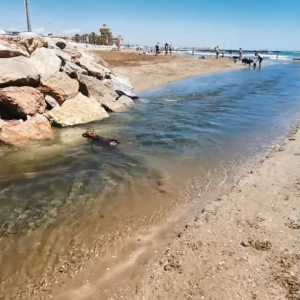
(39, 30)
(73, 30)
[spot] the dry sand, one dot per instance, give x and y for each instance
(146, 72)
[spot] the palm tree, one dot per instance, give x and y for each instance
(93, 38)
(77, 37)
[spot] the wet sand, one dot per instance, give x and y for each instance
(244, 244)
(146, 72)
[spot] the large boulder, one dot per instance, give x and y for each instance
(46, 61)
(122, 86)
(93, 67)
(21, 132)
(73, 52)
(78, 110)
(21, 101)
(18, 71)
(126, 101)
(60, 86)
(32, 43)
(73, 70)
(9, 47)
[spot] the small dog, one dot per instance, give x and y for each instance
(235, 58)
(247, 61)
(94, 137)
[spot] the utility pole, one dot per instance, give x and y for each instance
(27, 15)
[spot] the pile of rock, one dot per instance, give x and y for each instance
(48, 81)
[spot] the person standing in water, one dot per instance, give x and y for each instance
(259, 58)
(240, 53)
(170, 49)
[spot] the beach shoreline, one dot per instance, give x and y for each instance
(148, 72)
(241, 243)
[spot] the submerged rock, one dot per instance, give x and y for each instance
(18, 71)
(21, 132)
(21, 101)
(60, 86)
(78, 110)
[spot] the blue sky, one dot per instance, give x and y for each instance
(271, 24)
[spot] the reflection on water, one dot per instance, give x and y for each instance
(65, 200)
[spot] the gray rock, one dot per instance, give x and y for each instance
(64, 57)
(51, 101)
(73, 70)
(124, 100)
(93, 67)
(122, 86)
(46, 61)
(78, 110)
(18, 71)
(103, 93)
(61, 44)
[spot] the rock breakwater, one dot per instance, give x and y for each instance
(48, 82)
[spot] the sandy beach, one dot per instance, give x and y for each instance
(146, 72)
(243, 244)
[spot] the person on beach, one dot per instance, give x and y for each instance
(259, 59)
(223, 53)
(240, 53)
(166, 48)
(217, 52)
(230, 52)
(157, 49)
(170, 49)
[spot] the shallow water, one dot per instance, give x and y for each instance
(63, 198)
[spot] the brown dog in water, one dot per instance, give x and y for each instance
(94, 137)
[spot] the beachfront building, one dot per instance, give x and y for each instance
(106, 38)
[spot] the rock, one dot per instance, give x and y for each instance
(18, 71)
(46, 61)
(78, 110)
(61, 44)
(51, 42)
(20, 132)
(104, 93)
(93, 67)
(126, 101)
(73, 52)
(122, 86)
(60, 86)
(31, 44)
(9, 47)
(1, 123)
(64, 57)
(73, 70)
(21, 101)
(51, 101)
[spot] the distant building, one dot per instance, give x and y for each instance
(106, 36)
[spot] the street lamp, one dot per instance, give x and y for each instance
(27, 15)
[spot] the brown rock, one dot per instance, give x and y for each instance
(18, 71)
(9, 47)
(78, 110)
(21, 101)
(60, 86)
(32, 43)
(20, 132)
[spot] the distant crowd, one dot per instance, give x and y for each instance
(168, 49)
